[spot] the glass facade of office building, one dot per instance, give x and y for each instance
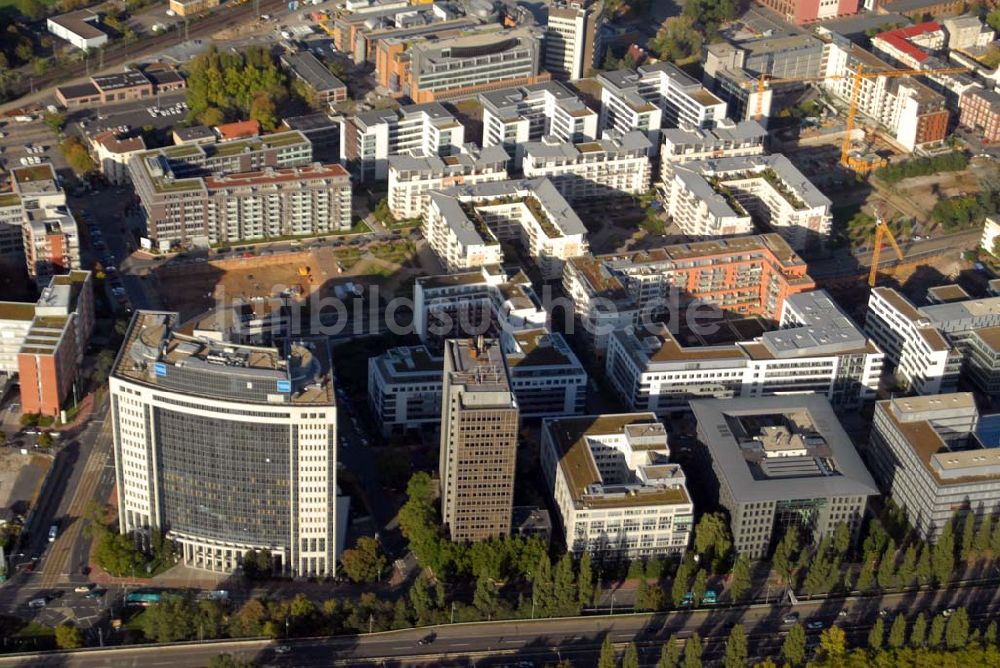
(224, 480)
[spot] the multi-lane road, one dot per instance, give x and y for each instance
(67, 555)
(81, 473)
(542, 641)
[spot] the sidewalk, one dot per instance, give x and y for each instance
(82, 416)
(178, 577)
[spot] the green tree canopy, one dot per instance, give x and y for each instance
(793, 650)
(833, 643)
(670, 655)
(918, 634)
(956, 633)
(486, 599)
(692, 652)
(170, 620)
(77, 155)
(264, 110)
(238, 84)
(585, 581)
(897, 632)
(365, 562)
(607, 658)
(631, 658)
(943, 555)
(68, 636)
(737, 652)
(876, 635)
(936, 634)
(712, 539)
(739, 585)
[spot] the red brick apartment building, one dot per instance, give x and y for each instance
(979, 110)
(48, 341)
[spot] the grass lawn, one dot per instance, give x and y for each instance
(359, 227)
(397, 252)
(348, 257)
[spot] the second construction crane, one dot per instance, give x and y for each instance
(882, 232)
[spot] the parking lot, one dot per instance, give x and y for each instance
(163, 111)
(29, 144)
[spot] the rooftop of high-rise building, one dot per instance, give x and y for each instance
(157, 353)
(948, 436)
(639, 473)
(782, 447)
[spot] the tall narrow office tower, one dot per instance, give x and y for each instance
(479, 421)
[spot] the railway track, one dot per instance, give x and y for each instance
(118, 54)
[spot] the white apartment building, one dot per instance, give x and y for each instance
(913, 113)
(982, 359)
(817, 349)
(991, 232)
(171, 182)
(405, 384)
(51, 243)
(482, 301)
(726, 196)
(726, 140)
(573, 44)
(369, 138)
(50, 240)
(935, 456)
(113, 152)
(411, 177)
(967, 32)
(513, 117)
(297, 201)
(273, 202)
(617, 494)
(227, 448)
(466, 225)
(921, 342)
(43, 343)
(16, 319)
(653, 97)
(601, 168)
(405, 387)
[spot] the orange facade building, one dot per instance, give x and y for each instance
(742, 276)
(459, 66)
(49, 340)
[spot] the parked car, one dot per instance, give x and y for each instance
(815, 625)
(790, 618)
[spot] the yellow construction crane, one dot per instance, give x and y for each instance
(882, 231)
(326, 23)
(857, 76)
